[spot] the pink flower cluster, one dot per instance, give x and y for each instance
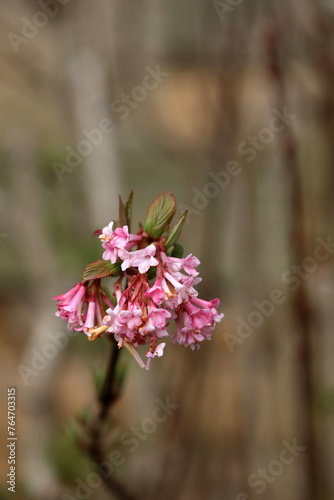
(143, 307)
(83, 307)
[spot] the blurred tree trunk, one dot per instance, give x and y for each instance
(88, 77)
(38, 257)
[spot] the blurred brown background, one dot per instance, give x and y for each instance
(190, 87)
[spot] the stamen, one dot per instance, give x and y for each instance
(95, 332)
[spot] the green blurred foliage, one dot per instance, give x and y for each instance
(65, 457)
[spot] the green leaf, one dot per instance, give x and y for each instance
(101, 269)
(175, 251)
(159, 215)
(72, 431)
(176, 231)
(151, 273)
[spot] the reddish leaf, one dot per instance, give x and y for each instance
(128, 210)
(121, 213)
(100, 269)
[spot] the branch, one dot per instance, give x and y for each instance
(107, 397)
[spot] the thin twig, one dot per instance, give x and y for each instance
(107, 397)
(109, 390)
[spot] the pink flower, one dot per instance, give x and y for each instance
(131, 318)
(71, 304)
(178, 289)
(123, 239)
(83, 307)
(187, 337)
(90, 316)
(195, 324)
(137, 320)
(93, 326)
(113, 241)
(139, 325)
(107, 231)
(197, 317)
(154, 324)
(189, 264)
(156, 292)
(211, 306)
(66, 297)
(143, 259)
(172, 288)
(157, 351)
(174, 264)
(159, 317)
